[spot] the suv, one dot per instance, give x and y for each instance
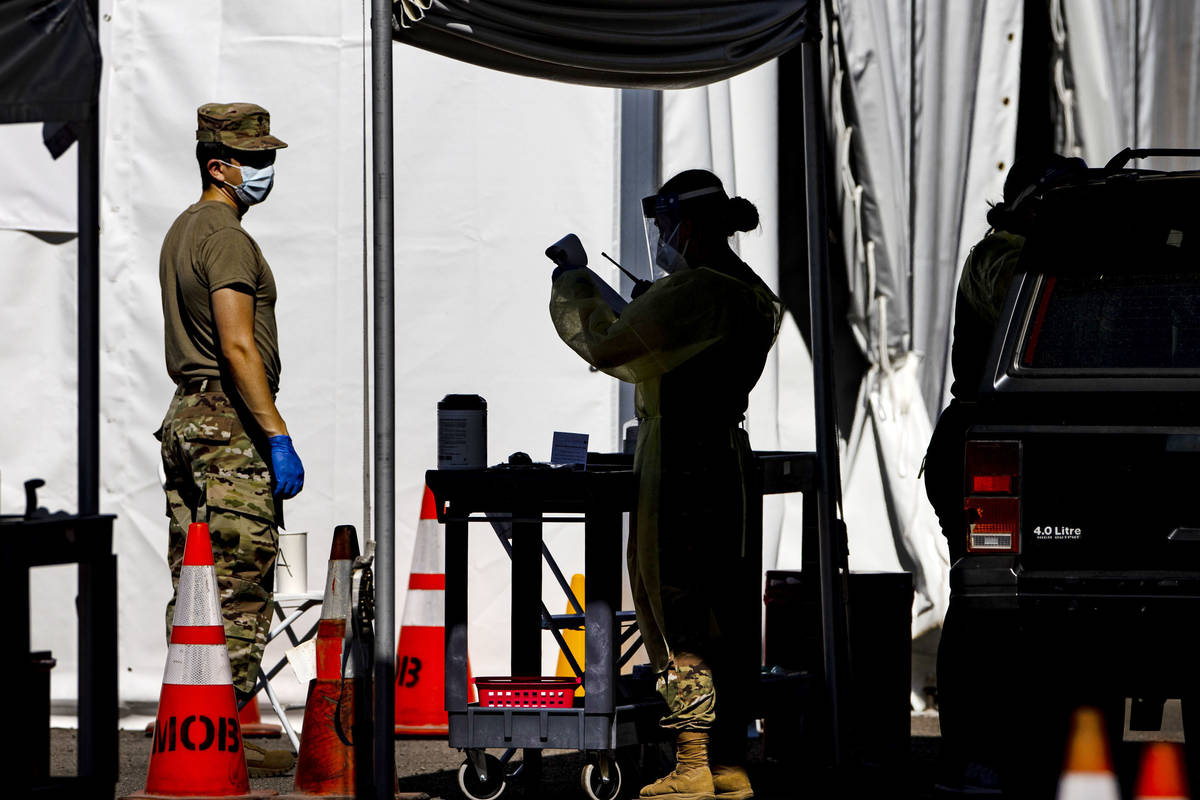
(1082, 463)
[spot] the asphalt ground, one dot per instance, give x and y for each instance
(431, 766)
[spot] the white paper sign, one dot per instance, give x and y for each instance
(303, 660)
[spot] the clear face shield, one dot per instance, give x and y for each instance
(663, 224)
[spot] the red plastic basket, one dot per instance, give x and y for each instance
(526, 692)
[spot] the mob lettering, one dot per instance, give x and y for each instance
(197, 732)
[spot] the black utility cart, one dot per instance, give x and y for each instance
(618, 713)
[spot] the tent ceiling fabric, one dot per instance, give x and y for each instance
(49, 61)
(652, 44)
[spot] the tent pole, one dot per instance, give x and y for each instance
(640, 175)
(385, 398)
(88, 298)
(831, 531)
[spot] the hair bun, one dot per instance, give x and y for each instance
(1003, 218)
(741, 214)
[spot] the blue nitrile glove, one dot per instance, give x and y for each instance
(286, 467)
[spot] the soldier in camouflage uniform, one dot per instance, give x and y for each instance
(227, 455)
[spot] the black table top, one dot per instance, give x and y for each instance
(55, 539)
(607, 483)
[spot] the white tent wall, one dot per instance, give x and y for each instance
(39, 191)
(1135, 66)
(161, 63)
(490, 168)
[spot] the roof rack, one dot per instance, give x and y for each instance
(1128, 154)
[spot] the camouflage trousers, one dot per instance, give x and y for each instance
(690, 695)
(700, 590)
(216, 473)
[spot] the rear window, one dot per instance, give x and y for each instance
(1113, 324)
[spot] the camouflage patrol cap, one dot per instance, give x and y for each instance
(242, 126)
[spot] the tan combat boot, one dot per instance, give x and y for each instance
(691, 779)
(731, 783)
(263, 763)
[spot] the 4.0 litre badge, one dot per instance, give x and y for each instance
(1057, 533)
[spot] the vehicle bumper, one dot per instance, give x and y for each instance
(1138, 627)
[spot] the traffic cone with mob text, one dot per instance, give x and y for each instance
(1162, 775)
(1088, 770)
(421, 650)
(197, 747)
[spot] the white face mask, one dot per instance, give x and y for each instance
(256, 183)
(668, 259)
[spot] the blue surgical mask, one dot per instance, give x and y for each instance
(256, 183)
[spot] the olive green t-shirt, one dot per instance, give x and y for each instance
(206, 249)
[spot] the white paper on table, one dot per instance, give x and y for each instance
(569, 448)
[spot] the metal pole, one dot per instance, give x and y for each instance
(830, 530)
(641, 165)
(385, 398)
(88, 298)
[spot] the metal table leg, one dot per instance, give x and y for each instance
(98, 668)
(456, 626)
(602, 565)
(526, 619)
(265, 685)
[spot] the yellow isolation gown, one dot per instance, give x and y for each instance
(694, 344)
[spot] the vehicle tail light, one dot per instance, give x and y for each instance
(992, 502)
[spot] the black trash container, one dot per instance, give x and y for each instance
(880, 658)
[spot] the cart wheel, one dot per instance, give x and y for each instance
(596, 785)
(475, 789)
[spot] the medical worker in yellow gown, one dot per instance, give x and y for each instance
(694, 342)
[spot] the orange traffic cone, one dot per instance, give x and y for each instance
(197, 749)
(421, 651)
(1088, 771)
(325, 766)
(1162, 775)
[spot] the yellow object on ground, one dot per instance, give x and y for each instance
(574, 639)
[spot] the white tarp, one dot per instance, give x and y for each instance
(1135, 75)
(490, 168)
